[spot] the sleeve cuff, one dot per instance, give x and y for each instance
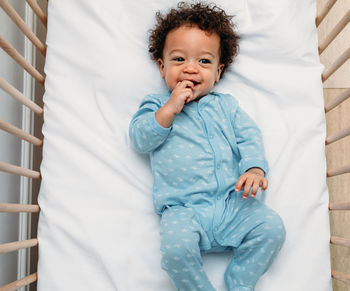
(245, 165)
(157, 127)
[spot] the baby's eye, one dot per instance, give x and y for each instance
(204, 61)
(179, 59)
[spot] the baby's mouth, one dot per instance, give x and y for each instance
(195, 83)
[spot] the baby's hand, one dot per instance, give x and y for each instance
(181, 94)
(252, 179)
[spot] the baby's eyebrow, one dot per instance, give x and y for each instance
(174, 51)
(202, 53)
(208, 53)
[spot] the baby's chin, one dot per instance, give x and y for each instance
(200, 93)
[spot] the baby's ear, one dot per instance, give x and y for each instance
(161, 67)
(220, 68)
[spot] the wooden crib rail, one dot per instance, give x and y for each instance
(15, 246)
(339, 139)
(12, 169)
(323, 13)
(337, 100)
(22, 209)
(338, 171)
(14, 207)
(339, 276)
(20, 133)
(339, 206)
(22, 26)
(38, 11)
(340, 241)
(19, 59)
(337, 136)
(334, 33)
(20, 283)
(336, 65)
(13, 92)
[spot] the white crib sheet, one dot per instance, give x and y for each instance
(97, 228)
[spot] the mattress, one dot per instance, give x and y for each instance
(97, 227)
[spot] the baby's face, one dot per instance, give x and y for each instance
(191, 54)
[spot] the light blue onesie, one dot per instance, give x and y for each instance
(196, 163)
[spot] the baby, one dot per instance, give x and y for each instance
(207, 155)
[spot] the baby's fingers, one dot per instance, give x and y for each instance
(255, 189)
(247, 186)
(240, 183)
(265, 183)
(187, 84)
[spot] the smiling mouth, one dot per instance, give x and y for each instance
(195, 83)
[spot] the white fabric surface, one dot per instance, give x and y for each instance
(97, 228)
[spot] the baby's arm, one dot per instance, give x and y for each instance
(151, 124)
(145, 133)
(253, 166)
(252, 179)
(180, 95)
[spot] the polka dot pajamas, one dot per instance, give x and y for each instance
(248, 228)
(196, 163)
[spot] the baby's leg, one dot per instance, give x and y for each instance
(262, 234)
(181, 239)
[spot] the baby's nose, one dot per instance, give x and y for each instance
(190, 68)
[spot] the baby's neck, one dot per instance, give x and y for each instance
(197, 100)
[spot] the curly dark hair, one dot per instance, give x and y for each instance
(208, 17)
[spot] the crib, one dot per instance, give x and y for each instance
(331, 21)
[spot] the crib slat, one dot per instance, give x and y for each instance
(12, 91)
(38, 11)
(339, 206)
(13, 207)
(339, 135)
(4, 4)
(20, 283)
(20, 133)
(337, 100)
(17, 57)
(338, 171)
(336, 65)
(323, 13)
(335, 31)
(12, 169)
(15, 246)
(341, 276)
(340, 241)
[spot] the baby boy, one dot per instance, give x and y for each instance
(207, 155)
